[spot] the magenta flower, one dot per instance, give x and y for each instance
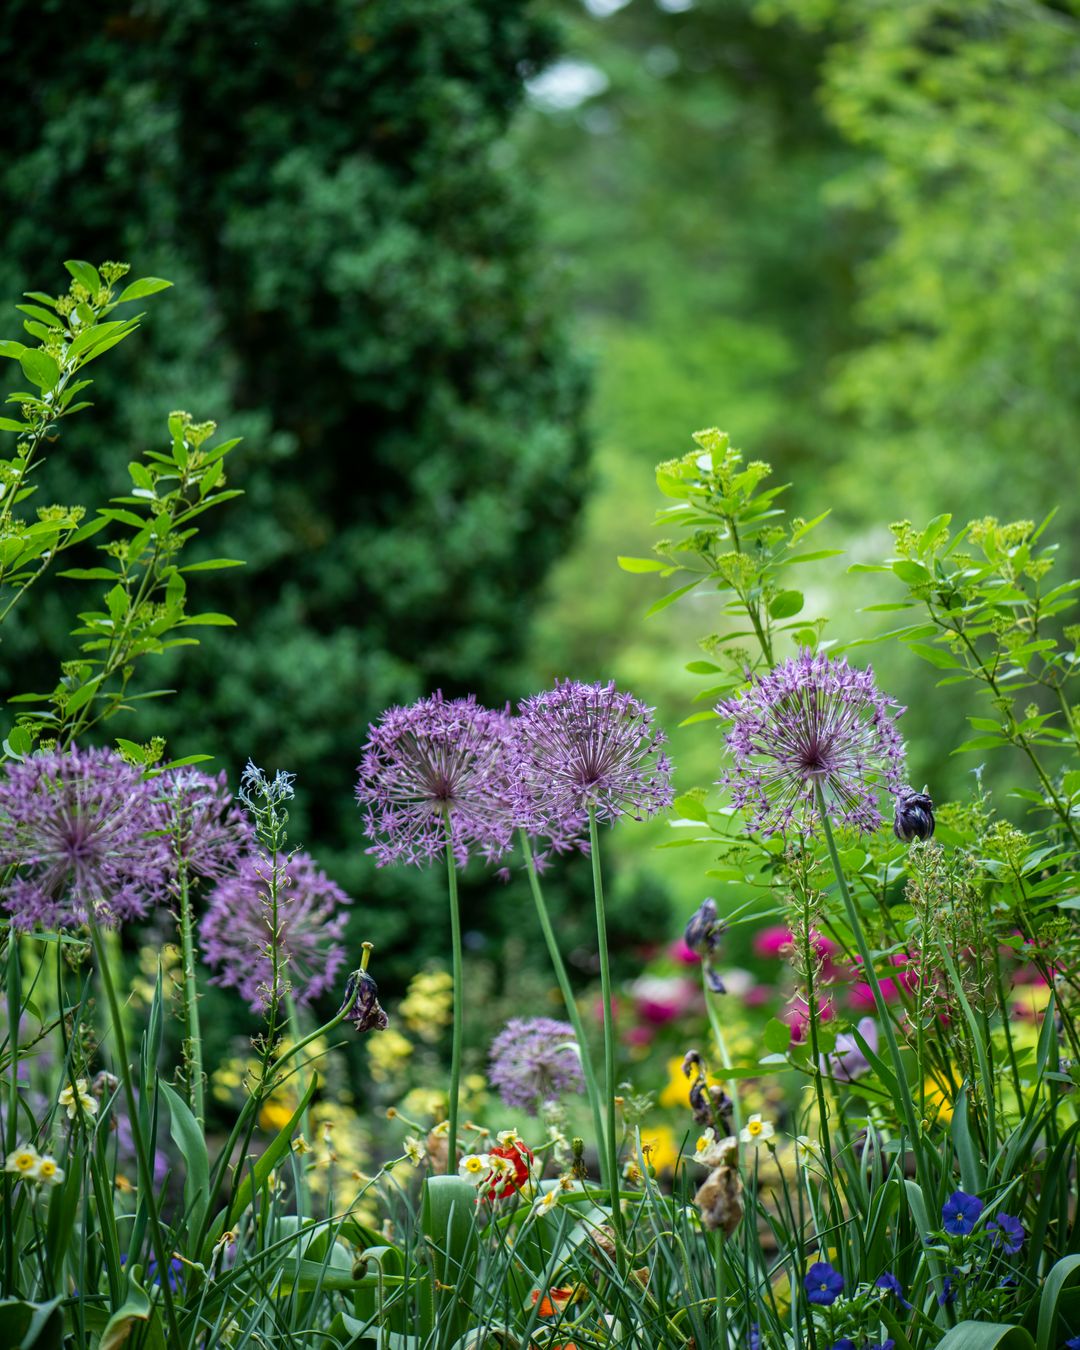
(438, 760)
(208, 831)
(534, 1061)
(238, 934)
(81, 828)
(812, 722)
(582, 747)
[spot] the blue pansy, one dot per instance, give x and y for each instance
(1008, 1233)
(823, 1284)
(960, 1213)
(754, 1342)
(948, 1291)
(844, 1343)
(1073, 1343)
(892, 1285)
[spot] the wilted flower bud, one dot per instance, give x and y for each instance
(362, 1000)
(720, 1200)
(704, 929)
(578, 1170)
(914, 816)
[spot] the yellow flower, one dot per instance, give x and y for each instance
(387, 1053)
(676, 1092)
(301, 1145)
(77, 1098)
(938, 1101)
(660, 1148)
(757, 1131)
(23, 1161)
(275, 1114)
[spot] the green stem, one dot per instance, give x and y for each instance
(721, 1290)
(855, 923)
(592, 1088)
(295, 1035)
(457, 1030)
(731, 1086)
(193, 1032)
(610, 1148)
(14, 993)
(146, 1173)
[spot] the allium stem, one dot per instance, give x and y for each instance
(721, 1289)
(717, 1029)
(591, 1085)
(146, 1172)
(855, 923)
(457, 1029)
(609, 1144)
(192, 1030)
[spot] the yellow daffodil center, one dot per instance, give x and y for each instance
(703, 1143)
(474, 1165)
(754, 1127)
(25, 1162)
(47, 1168)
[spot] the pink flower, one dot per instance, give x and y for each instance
(770, 942)
(797, 1015)
(684, 955)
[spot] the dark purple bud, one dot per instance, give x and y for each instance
(914, 816)
(715, 983)
(362, 1000)
(704, 929)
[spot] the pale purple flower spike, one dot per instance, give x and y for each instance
(82, 828)
(437, 758)
(209, 831)
(812, 721)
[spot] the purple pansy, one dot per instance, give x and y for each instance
(960, 1213)
(438, 764)
(823, 1285)
(891, 1285)
(810, 723)
(1008, 1233)
(81, 829)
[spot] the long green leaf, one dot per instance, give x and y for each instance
(1064, 1277)
(191, 1142)
(986, 1336)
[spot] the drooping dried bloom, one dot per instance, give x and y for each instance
(365, 1013)
(587, 746)
(238, 932)
(719, 1200)
(702, 936)
(208, 831)
(438, 759)
(812, 722)
(913, 817)
(535, 1060)
(82, 829)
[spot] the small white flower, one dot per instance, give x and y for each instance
(807, 1150)
(414, 1150)
(48, 1173)
(475, 1167)
(508, 1137)
(23, 1161)
(712, 1152)
(546, 1202)
(704, 1146)
(757, 1131)
(77, 1098)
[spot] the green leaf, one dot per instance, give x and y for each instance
(777, 1036)
(9, 424)
(985, 1336)
(937, 656)
(1063, 1278)
(707, 716)
(190, 1140)
(691, 808)
(786, 604)
(40, 369)
(84, 273)
(915, 574)
(643, 565)
(12, 350)
(144, 286)
(136, 1308)
(213, 564)
(209, 620)
(448, 1222)
(671, 597)
(31, 1326)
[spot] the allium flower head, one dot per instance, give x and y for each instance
(582, 746)
(812, 722)
(208, 831)
(437, 759)
(83, 830)
(237, 931)
(534, 1061)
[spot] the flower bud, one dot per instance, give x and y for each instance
(362, 1000)
(914, 816)
(704, 930)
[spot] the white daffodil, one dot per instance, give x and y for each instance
(77, 1098)
(508, 1137)
(414, 1150)
(23, 1161)
(48, 1173)
(757, 1131)
(475, 1167)
(546, 1202)
(807, 1150)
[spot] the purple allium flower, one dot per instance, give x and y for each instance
(208, 831)
(960, 1213)
(847, 1060)
(823, 1285)
(437, 758)
(533, 1061)
(891, 1285)
(237, 931)
(1008, 1233)
(365, 1013)
(587, 746)
(913, 815)
(812, 722)
(82, 828)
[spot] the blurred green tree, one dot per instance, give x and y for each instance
(359, 288)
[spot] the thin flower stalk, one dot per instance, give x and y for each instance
(457, 1030)
(609, 1142)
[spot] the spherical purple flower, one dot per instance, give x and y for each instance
(583, 747)
(960, 1213)
(812, 722)
(438, 760)
(1007, 1232)
(534, 1061)
(83, 831)
(238, 934)
(208, 831)
(823, 1285)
